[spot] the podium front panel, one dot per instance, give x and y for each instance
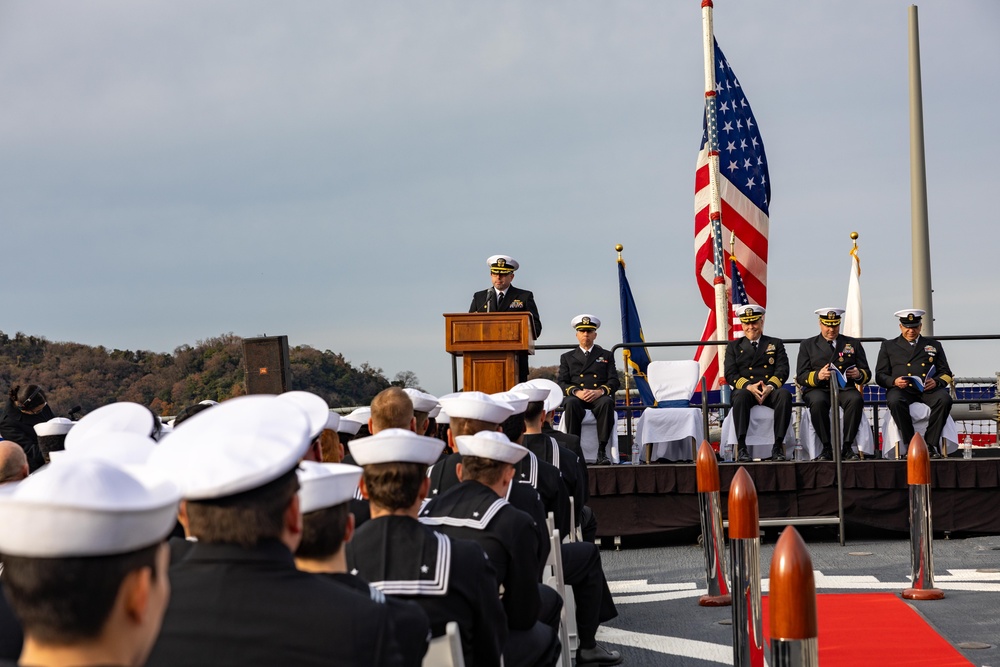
(490, 332)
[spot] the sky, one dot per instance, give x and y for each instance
(339, 171)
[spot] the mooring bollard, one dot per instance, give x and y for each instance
(918, 475)
(792, 598)
(712, 537)
(744, 556)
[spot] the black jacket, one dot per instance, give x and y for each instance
(596, 371)
(20, 428)
(516, 300)
(816, 353)
(897, 358)
(744, 366)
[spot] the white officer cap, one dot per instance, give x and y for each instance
(830, 316)
(503, 264)
(492, 445)
(315, 408)
(514, 399)
(475, 405)
(240, 445)
(911, 317)
(534, 392)
(323, 485)
(55, 426)
(116, 448)
(121, 417)
(586, 322)
(751, 313)
(396, 445)
(422, 401)
(89, 508)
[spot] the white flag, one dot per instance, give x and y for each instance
(853, 321)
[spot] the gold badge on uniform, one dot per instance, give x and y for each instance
(771, 360)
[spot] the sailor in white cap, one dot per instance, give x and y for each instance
(52, 435)
(320, 419)
(504, 297)
(325, 495)
(237, 597)
(476, 510)
(813, 372)
(552, 403)
(423, 405)
(589, 379)
(756, 367)
(85, 562)
(908, 356)
(451, 579)
(350, 424)
(121, 417)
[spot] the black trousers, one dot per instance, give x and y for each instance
(603, 409)
(818, 401)
(779, 400)
(938, 400)
(583, 571)
(537, 646)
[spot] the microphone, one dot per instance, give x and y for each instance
(73, 411)
(489, 293)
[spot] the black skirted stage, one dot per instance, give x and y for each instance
(647, 499)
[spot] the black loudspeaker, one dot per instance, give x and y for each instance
(267, 367)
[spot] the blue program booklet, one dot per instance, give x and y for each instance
(918, 381)
(841, 378)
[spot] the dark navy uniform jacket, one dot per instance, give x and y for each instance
(744, 366)
(897, 358)
(548, 450)
(596, 371)
(515, 300)
(816, 353)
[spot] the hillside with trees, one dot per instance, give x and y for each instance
(72, 374)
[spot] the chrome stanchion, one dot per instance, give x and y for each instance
(744, 548)
(713, 540)
(918, 475)
(792, 597)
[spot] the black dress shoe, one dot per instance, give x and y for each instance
(597, 656)
(743, 456)
(935, 453)
(602, 456)
(778, 453)
(849, 455)
(825, 455)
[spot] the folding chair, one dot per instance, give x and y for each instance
(446, 650)
(920, 414)
(673, 429)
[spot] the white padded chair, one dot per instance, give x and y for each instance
(446, 650)
(553, 577)
(920, 414)
(811, 445)
(669, 431)
(588, 437)
(760, 433)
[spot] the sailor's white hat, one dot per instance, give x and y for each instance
(396, 445)
(315, 408)
(475, 405)
(492, 445)
(534, 392)
(54, 426)
(123, 417)
(514, 399)
(422, 401)
(323, 485)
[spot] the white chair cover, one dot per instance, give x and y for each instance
(760, 433)
(670, 430)
(920, 414)
(811, 445)
(588, 437)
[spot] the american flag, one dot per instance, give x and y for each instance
(739, 298)
(745, 190)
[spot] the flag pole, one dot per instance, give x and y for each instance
(715, 203)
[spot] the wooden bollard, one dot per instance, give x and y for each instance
(712, 536)
(918, 476)
(794, 630)
(744, 552)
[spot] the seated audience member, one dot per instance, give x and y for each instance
(13, 462)
(238, 598)
(52, 435)
(85, 563)
(350, 424)
(26, 406)
(122, 417)
(476, 510)
(327, 526)
(424, 405)
(451, 579)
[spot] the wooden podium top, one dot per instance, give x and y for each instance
(488, 332)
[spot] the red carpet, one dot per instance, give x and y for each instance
(898, 635)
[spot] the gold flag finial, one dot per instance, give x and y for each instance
(619, 247)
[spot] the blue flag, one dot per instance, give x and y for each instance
(637, 357)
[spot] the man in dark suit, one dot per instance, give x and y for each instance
(912, 355)
(756, 368)
(588, 377)
(504, 297)
(813, 374)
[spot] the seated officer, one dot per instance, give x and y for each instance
(756, 368)
(451, 579)
(237, 597)
(476, 510)
(590, 380)
(816, 356)
(327, 526)
(912, 355)
(85, 562)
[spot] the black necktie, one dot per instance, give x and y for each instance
(833, 344)
(499, 299)
(754, 343)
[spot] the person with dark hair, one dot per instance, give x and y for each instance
(327, 526)
(237, 597)
(424, 405)
(26, 406)
(191, 410)
(476, 510)
(451, 579)
(85, 562)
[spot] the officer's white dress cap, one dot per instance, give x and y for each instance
(910, 317)
(240, 445)
(492, 445)
(332, 421)
(112, 418)
(396, 445)
(87, 508)
(475, 405)
(55, 426)
(827, 311)
(503, 263)
(751, 313)
(585, 322)
(323, 485)
(422, 401)
(514, 399)
(534, 392)
(556, 393)
(115, 448)
(315, 408)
